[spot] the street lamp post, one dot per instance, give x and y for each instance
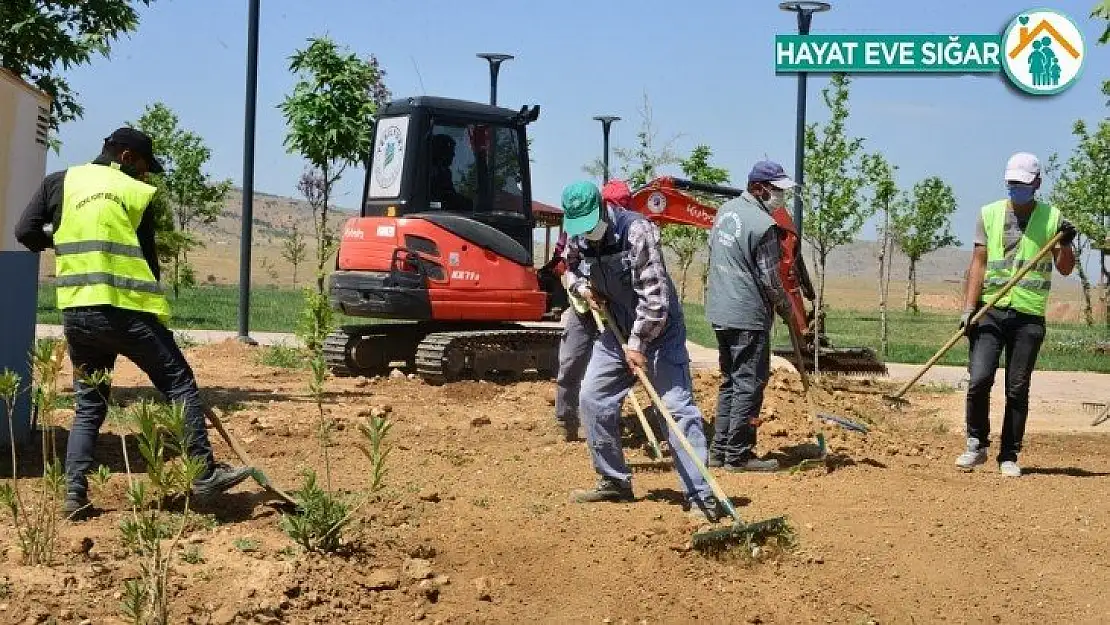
(606, 121)
(248, 176)
(494, 60)
(805, 11)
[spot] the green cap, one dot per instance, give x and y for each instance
(581, 207)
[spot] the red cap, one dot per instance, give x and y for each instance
(617, 192)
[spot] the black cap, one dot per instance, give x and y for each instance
(137, 141)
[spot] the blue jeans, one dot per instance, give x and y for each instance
(96, 335)
(745, 361)
(608, 381)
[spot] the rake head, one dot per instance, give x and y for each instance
(741, 534)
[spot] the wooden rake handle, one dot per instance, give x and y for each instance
(1048, 247)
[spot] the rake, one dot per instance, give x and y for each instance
(739, 533)
(241, 453)
(896, 398)
(1103, 416)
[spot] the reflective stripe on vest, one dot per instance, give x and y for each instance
(97, 253)
(1030, 294)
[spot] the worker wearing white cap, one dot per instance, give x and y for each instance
(1008, 235)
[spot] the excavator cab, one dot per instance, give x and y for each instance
(445, 240)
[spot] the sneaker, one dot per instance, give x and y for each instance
(707, 511)
(607, 489)
(76, 507)
(754, 465)
(1009, 468)
(221, 478)
(974, 455)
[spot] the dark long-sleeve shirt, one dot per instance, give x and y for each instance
(46, 208)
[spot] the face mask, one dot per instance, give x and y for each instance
(1021, 194)
(597, 232)
(778, 199)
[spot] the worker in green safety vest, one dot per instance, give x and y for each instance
(1008, 236)
(96, 218)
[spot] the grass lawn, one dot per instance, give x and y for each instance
(913, 338)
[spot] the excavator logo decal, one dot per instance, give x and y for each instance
(657, 202)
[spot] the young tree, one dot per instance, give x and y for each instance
(329, 116)
(191, 196)
(1081, 193)
(1102, 11)
(833, 213)
(884, 199)
(687, 241)
(42, 37)
(640, 164)
(926, 226)
(293, 249)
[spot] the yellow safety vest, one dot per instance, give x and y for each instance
(1030, 294)
(97, 254)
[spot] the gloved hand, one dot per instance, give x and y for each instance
(965, 320)
(1068, 230)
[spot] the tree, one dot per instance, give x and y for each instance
(1102, 11)
(192, 197)
(687, 241)
(329, 115)
(884, 199)
(925, 227)
(42, 37)
(833, 213)
(642, 163)
(1081, 194)
(293, 249)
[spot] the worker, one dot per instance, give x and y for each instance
(96, 218)
(743, 292)
(615, 262)
(1008, 234)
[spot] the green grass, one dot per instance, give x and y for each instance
(913, 338)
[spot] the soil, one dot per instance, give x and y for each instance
(475, 524)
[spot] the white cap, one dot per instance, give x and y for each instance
(1022, 167)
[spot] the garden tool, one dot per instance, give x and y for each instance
(241, 453)
(896, 398)
(739, 533)
(655, 448)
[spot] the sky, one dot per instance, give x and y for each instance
(706, 67)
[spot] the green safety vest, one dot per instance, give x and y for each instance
(1030, 294)
(97, 254)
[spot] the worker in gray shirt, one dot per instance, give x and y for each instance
(744, 290)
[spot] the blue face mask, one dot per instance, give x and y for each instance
(1021, 194)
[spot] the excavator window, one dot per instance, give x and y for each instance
(475, 168)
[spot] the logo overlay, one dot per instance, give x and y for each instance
(1041, 52)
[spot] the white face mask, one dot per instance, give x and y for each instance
(597, 232)
(778, 199)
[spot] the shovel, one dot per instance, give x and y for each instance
(740, 533)
(896, 398)
(241, 453)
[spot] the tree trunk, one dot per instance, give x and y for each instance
(682, 287)
(294, 275)
(321, 234)
(176, 275)
(882, 291)
(705, 283)
(1105, 290)
(818, 313)
(1085, 284)
(911, 287)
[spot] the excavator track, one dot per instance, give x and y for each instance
(370, 350)
(443, 357)
(859, 361)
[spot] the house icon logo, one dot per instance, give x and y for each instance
(1043, 51)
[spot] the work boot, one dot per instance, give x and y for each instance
(568, 432)
(607, 489)
(220, 478)
(76, 507)
(708, 510)
(974, 455)
(1009, 468)
(752, 465)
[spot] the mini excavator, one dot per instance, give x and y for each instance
(443, 251)
(668, 200)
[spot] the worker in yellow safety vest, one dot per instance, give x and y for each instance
(1008, 236)
(96, 218)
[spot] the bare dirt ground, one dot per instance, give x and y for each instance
(475, 525)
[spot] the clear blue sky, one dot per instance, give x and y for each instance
(708, 68)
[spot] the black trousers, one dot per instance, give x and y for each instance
(745, 361)
(96, 335)
(1019, 336)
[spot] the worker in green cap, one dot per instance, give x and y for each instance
(615, 262)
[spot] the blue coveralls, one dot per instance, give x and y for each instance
(608, 379)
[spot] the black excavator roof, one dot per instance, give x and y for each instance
(463, 108)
